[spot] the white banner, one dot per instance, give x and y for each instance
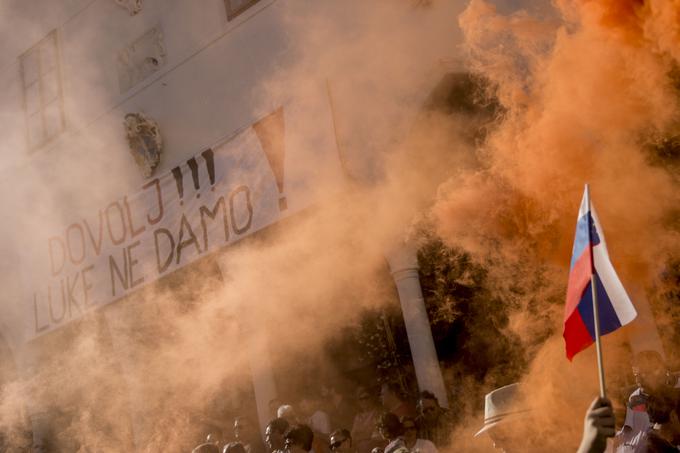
(208, 202)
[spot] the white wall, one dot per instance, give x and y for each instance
(210, 85)
(200, 94)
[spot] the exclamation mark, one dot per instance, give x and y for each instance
(209, 157)
(271, 132)
(179, 180)
(193, 166)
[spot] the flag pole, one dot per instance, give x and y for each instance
(593, 291)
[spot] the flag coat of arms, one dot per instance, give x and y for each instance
(590, 256)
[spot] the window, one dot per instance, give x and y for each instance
(43, 96)
(236, 7)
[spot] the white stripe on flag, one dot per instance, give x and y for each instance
(625, 310)
(583, 208)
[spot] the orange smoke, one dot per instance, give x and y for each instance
(584, 106)
(625, 15)
(587, 106)
(653, 23)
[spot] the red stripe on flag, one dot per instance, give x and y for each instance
(579, 278)
(576, 335)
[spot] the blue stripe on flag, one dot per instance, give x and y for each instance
(581, 238)
(609, 322)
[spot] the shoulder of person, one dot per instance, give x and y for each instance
(659, 444)
(447, 414)
(427, 446)
(395, 445)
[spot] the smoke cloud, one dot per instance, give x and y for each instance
(159, 366)
(585, 92)
(588, 95)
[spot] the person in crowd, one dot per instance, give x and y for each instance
(653, 380)
(234, 447)
(434, 422)
(273, 435)
(341, 441)
(246, 432)
(663, 432)
(391, 430)
(598, 425)
(206, 448)
(502, 417)
(411, 439)
(273, 406)
(506, 423)
(394, 402)
(215, 437)
(364, 432)
(317, 419)
(287, 412)
(340, 409)
(298, 439)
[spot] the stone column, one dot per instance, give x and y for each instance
(262, 375)
(403, 264)
(40, 425)
(255, 342)
(122, 319)
(28, 363)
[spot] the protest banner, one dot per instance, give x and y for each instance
(220, 195)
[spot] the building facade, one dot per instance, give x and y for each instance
(141, 140)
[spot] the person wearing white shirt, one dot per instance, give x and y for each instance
(411, 440)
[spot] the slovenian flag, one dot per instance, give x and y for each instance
(590, 256)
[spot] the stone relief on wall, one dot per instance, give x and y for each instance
(144, 139)
(141, 59)
(133, 6)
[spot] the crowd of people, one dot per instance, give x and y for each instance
(360, 425)
(396, 426)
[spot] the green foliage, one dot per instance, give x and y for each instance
(469, 322)
(664, 302)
